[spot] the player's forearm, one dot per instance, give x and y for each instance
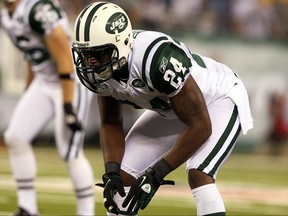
(112, 142)
(59, 48)
(188, 142)
(66, 74)
(67, 89)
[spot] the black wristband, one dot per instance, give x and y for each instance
(68, 107)
(161, 168)
(112, 167)
(66, 76)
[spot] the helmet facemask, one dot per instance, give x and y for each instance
(96, 64)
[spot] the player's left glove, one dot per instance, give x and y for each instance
(71, 119)
(112, 183)
(146, 186)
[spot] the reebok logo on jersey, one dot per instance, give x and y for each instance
(138, 83)
(163, 64)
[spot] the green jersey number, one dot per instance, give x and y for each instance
(35, 55)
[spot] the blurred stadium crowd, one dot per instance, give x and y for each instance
(250, 19)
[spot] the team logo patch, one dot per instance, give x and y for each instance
(116, 23)
(163, 64)
(138, 83)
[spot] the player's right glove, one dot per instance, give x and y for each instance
(112, 184)
(143, 190)
(71, 119)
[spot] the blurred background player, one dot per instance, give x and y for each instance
(40, 30)
(278, 136)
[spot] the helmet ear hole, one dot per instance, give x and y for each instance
(126, 41)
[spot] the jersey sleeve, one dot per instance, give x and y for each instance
(44, 16)
(169, 68)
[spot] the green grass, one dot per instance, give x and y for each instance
(250, 184)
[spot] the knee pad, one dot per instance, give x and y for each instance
(81, 174)
(77, 160)
(15, 145)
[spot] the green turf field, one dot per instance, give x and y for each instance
(250, 185)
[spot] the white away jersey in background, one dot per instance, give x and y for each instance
(31, 21)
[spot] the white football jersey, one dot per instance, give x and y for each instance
(158, 67)
(31, 21)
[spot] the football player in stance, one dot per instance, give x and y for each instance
(40, 29)
(196, 108)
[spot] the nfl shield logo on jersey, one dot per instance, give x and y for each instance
(138, 83)
(103, 89)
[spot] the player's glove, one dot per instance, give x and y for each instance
(112, 184)
(71, 119)
(146, 186)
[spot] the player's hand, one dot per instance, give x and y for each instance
(143, 190)
(71, 119)
(112, 184)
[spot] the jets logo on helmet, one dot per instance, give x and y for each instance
(117, 22)
(102, 42)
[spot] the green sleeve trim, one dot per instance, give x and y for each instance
(199, 60)
(146, 54)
